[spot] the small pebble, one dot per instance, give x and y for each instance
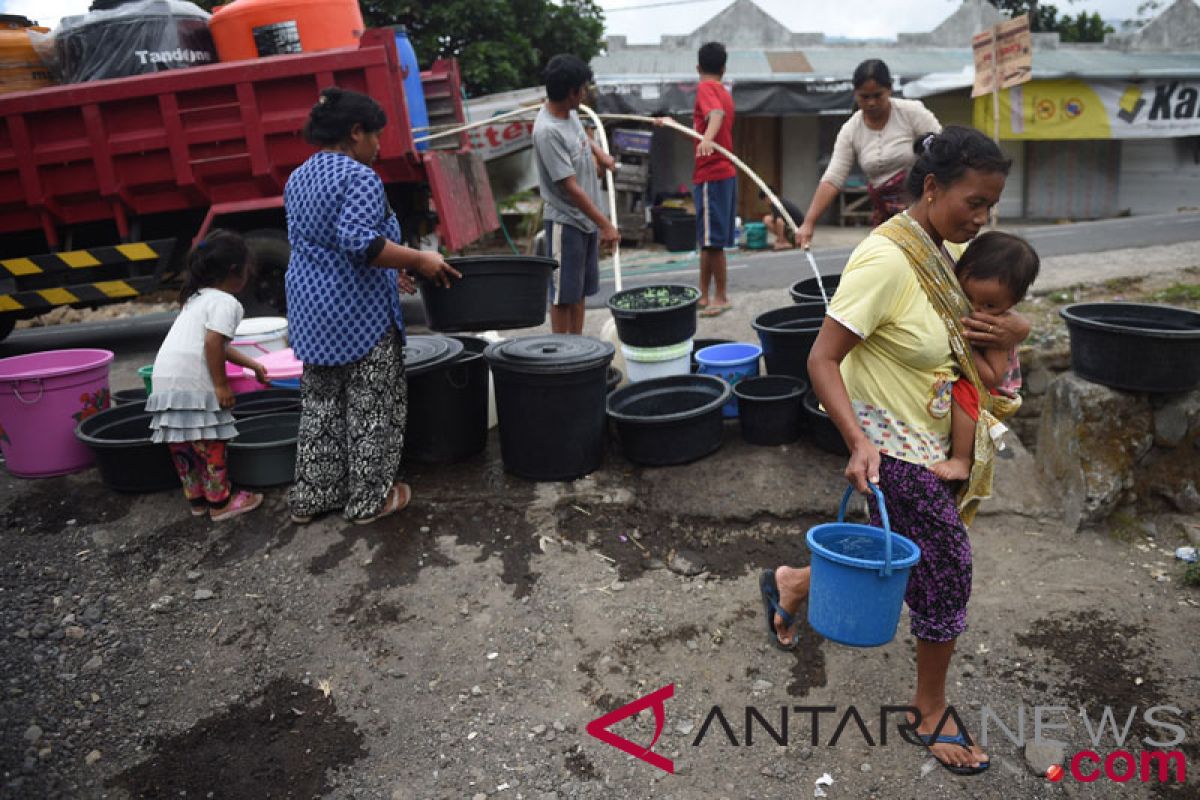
(92, 757)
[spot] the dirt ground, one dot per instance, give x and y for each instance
(460, 649)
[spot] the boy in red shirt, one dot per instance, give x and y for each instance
(714, 178)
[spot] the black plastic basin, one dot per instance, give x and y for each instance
(661, 315)
(495, 293)
(613, 379)
(266, 401)
(671, 420)
(770, 408)
(1135, 346)
(824, 433)
(264, 452)
(119, 439)
(807, 291)
(126, 397)
(787, 335)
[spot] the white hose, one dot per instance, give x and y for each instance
(737, 162)
(612, 202)
(612, 194)
(457, 129)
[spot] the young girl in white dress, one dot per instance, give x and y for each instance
(191, 396)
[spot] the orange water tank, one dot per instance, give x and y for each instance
(254, 28)
(21, 69)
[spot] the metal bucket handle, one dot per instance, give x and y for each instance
(887, 526)
(41, 391)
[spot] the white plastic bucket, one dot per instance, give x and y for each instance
(493, 418)
(259, 335)
(644, 363)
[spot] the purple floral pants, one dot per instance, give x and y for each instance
(922, 507)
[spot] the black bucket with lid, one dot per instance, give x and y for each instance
(447, 400)
(550, 393)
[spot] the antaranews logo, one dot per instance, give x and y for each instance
(1160, 764)
(599, 727)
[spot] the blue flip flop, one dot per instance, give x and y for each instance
(771, 607)
(960, 739)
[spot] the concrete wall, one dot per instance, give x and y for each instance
(798, 165)
(1159, 175)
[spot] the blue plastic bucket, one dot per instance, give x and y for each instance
(731, 362)
(859, 574)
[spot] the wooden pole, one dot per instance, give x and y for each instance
(996, 103)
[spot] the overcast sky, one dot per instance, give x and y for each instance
(883, 20)
(862, 19)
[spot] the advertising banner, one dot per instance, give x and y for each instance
(1071, 109)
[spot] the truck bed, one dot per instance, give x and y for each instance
(213, 137)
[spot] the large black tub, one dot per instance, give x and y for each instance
(550, 394)
(119, 439)
(447, 398)
(787, 335)
(769, 408)
(264, 452)
(266, 401)
(655, 316)
(824, 433)
(671, 420)
(1135, 346)
(807, 290)
(495, 293)
(126, 397)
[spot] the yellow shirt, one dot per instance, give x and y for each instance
(899, 378)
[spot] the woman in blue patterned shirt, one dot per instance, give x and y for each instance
(344, 320)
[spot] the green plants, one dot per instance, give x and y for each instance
(647, 298)
(655, 316)
(1179, 293)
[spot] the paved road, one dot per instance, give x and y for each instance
(772, 270)
(141, 335)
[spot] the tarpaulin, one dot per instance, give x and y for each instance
(749, 98)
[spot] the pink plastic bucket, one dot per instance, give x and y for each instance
(238, 380)
(43, 396)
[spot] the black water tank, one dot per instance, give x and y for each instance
(117, 39)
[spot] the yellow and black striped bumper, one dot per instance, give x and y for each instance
(128, 270)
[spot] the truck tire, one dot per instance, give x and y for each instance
(265, 295)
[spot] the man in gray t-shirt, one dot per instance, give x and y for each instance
(566, 162)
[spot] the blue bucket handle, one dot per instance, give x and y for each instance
(887, 526)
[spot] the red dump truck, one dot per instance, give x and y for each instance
(104, 185)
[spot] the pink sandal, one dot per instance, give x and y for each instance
(242, 502)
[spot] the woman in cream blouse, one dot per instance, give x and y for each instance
(880, 138)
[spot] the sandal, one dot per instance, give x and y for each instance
(771, 606)
(198, 507)
(242, 502)
(928, 740)
(398, 498)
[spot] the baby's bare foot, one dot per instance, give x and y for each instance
(954, 469)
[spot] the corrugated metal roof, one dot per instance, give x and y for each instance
(651, 64)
